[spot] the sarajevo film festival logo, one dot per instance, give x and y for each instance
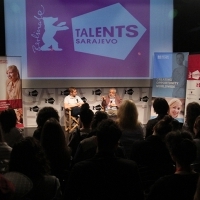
(45, 41)
(111, 32)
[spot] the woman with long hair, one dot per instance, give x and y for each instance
(127, 119)
(54, 143)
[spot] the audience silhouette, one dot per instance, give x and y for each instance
(106, 159)
(55, 146)
(105, 176)
(5, 151)
(43, 115)
(152, 155)
(11, 133)
(192, 112)
(182, 184)
(87, 147)
(127, 119)
(161, 108)
(28, 157)
(86, 117)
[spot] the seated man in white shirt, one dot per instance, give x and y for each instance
(73, 102)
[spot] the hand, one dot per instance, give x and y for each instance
(103, 98)
(78, 104)
(113, 105)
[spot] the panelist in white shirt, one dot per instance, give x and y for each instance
(73, 102)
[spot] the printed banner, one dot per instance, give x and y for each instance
(11, 86)
(193, 79)
(169, 81)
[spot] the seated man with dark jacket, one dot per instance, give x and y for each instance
(111, 102)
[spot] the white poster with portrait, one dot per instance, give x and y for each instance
(11, 86)
(169, 81)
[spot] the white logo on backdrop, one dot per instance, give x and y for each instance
(50, 30)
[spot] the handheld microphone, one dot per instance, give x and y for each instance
(77, 100)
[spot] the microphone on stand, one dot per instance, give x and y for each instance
(77, 100)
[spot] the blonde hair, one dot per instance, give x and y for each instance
(127, 115)
(14, 69)
(174, 100)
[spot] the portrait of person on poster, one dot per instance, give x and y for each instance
(179, 76)
(175, 107)
(13, 87)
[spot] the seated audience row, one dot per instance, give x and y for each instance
(127, 119)
(116, 153)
